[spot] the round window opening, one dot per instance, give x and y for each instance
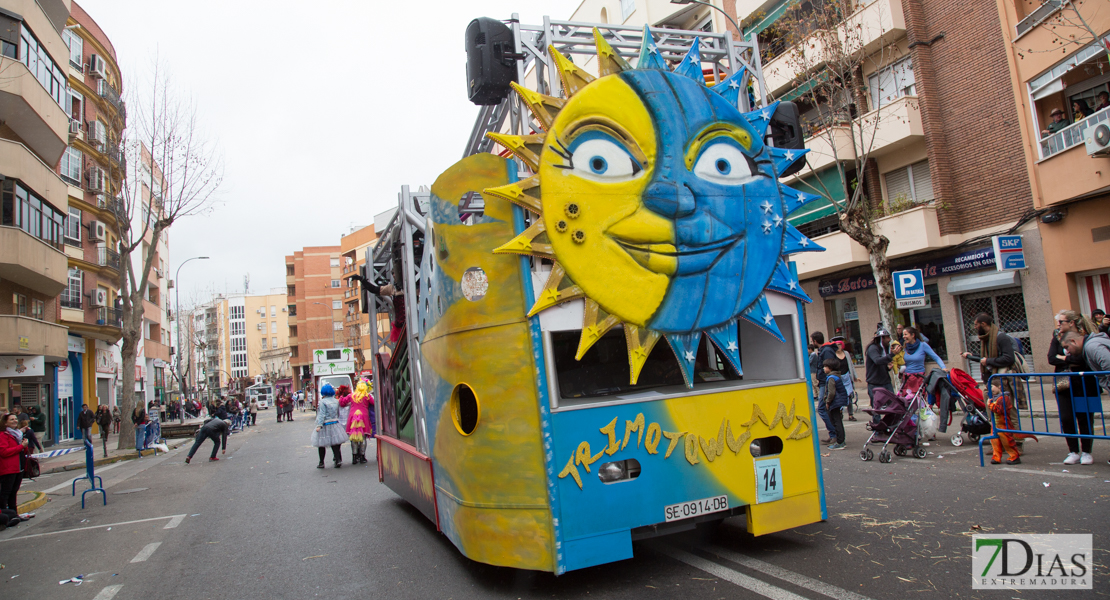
(464, 409)
(474, 284)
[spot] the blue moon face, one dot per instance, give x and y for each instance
(714, 180)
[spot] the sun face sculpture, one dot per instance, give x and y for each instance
(659, 203)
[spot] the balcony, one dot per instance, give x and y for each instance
(106, 257)
(20, 163)
(31, 262)
(31, 112)
(1072, 135)
(911, 231)
(153, 349)
(899, 124)
(43, 338)
(878, 22)
(111, 317)
(109, 93)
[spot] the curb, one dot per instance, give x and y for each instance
(100, 462)
(30, 505)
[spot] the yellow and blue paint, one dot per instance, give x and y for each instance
(660, 206)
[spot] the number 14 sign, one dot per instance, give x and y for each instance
(768, 480)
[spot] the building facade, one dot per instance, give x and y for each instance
(93, 167)
(152, 365)
(314, 296)
(267, 328)
(34, 203)
(356, 323)
(1070, 184)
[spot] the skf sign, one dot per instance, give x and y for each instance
(1009, 254)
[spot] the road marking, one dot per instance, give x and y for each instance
(27, 537)
(174, 522)
(749, 583)
(1049, 473)
(146, 552)
(799, 580)
(108, 593)
(70, 482)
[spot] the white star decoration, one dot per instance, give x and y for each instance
(804, 243)
(767, 318)
(766, 206)
(778, 220)
(767, 227)
(652, 49)
(766, 114)
(801, 198)
(689, 355)
(792, 285)
(734, 85)
(789, 155)
(731, 345)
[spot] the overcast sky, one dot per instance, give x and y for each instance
(322, 111)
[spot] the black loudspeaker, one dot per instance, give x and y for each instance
(490, 61)
(786, 132)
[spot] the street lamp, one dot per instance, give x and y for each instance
(716, 8)
(177, 310)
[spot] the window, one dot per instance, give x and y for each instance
(334, 283)
(238, 344)
(290, 290)
(238, 328)
(38, 309)
(337, 326)
(30, 213)
(71, 166)
(40, 65)
(912, 184)
(19, 304)
(71, 296)
(73, 226)
(76, 48)
(99, 132)
(238, 312)
(627, 8)
(273, 343)
(892, 83)
(273, 311)
(335, 262)
(336, 304)
(273, 326)
(264, 343)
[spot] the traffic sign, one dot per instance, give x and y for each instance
(1009, 253)
(909, 289)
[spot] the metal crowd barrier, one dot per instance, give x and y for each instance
(1086, 398)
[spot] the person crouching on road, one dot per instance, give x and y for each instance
(328, 431)
(835, 400)
(215, 430)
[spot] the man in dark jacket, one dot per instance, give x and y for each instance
(997, 356)
(876, 364)
(215, 430)
(38, 420)
(85, 421)
(824, 352)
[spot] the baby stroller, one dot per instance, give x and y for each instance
(894, 423)
(969, 398)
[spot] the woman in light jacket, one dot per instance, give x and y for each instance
(329, 431)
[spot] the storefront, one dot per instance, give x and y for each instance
(28, 382)
(958, 286)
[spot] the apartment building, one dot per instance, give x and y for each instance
(34, 131)
(314, 296)
(152, 366)
(356, 323)
(267, 329)
(92, 167)
(1070, 181)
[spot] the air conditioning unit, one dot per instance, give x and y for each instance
(97, 231)
(261, 326)
(1097, 140)
(74, 127)
(169, 285)
(97, 66)
(158, 272)
(99, 298)
(285, 309)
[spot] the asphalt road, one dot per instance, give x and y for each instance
(265, 523)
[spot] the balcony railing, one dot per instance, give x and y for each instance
(71, 302)
(1072, 135)
(110, 94)
(107, 257)
(1034, 18)
(112, 317)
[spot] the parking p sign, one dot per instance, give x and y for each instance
(909, 289)
(1009, 254)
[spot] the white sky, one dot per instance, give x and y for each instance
(322, 111)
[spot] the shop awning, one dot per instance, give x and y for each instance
(817, 209)
(773, 14)
(805, 87)
(983, 282)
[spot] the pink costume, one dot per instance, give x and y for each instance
(360, 421)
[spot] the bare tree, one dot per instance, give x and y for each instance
(827, 46)
(173, 172)
(1070, 29)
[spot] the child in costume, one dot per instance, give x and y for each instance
(328, 431)
(360, 422)
(1006, 415)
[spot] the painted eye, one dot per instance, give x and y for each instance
(602, 159)
(725, 164)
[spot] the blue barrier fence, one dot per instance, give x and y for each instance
(1042, 391)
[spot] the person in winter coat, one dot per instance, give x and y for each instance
(13, 445)
(85, 420)
(914, 351)
(1079, 450)
(104, 423)
(847, 371)
(254, 411)
(876, 363)
(360, 421)
(328, 431)
(836, 398)
(999, 355)
(25, 421)
(117, 416)
(1095, 350)
(824, 352)
(215, 430)
(140, 420)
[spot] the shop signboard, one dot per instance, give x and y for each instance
(22, 366)
(75, 345)
(971, 260)
(1010, 252)
(65, 380)
(333, 368)
(909, 288)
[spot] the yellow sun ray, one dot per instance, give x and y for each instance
(524, 147)
(595, 323)
(572, 78)
(558, 289)
(609, 62)
(524, 193)
(533, 242)
(640, 342)
(543, 107)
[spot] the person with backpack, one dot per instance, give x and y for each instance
(999, 355)
(835, 400)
